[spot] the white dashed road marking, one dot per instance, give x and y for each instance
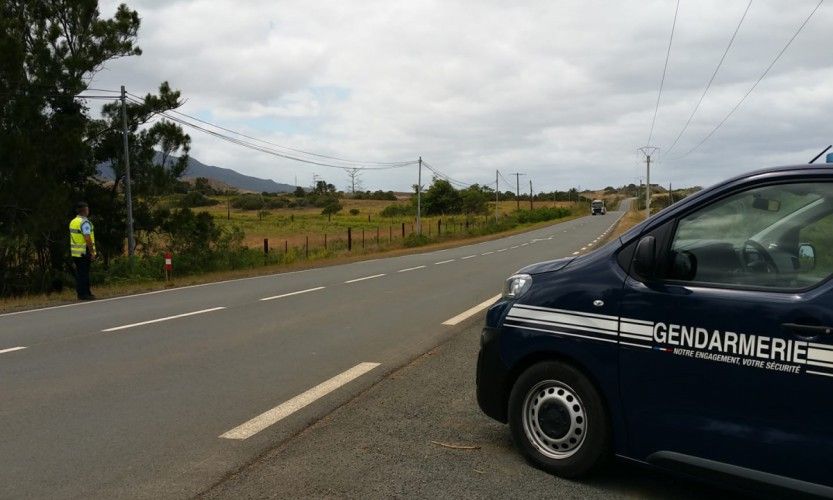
(471, 312)
(410, 269)
(443, 262)
(167, 318)
(293, 293)
(487, 253)
(468, 257)
(278, 413)
(11, 349)
(365, 278)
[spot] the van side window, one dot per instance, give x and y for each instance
(778, 236)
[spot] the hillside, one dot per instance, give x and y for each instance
(225, 176)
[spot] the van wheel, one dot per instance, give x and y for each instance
(558, 420)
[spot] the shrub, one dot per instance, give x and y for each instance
(278, 202)
(416, 240)
(196, 199)
(541, 214)
(249, 201)
(354, 211)
(398, 210)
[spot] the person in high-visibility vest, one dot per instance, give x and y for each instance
(82, 246)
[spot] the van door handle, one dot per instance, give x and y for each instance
(808, 330)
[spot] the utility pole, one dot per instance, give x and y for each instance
(530, 194)
(670, 195)
(648, 151)
(419, 198)
(518, 188)
(131, 243)
(497, 193)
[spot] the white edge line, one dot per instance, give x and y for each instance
(365, 278)
(11, 349)
(410, 269)
(162, 319)
(471, 312)
(292, 293)
(283, 410)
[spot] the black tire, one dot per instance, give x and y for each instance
(554, 422)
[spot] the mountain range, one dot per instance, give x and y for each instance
(223, 175)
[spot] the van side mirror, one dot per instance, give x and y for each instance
(683, 266)
(806, 257)
(645, 257)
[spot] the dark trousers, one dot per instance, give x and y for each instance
(82, 275)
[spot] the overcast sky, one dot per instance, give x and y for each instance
(563, 91)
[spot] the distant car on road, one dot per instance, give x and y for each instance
(700, 341)
(597, 207)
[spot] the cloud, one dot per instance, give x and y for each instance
(563, 91)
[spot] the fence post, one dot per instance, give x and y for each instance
(306, 248)
(285, 247)
(403, 230)
(266, 246)
(325, 241)
(390, 237)
(362, 238)
(349, 239)
(439, 227)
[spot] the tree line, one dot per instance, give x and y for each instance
(52, 143)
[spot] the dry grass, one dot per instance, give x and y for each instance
(292, 226)
(630, 219)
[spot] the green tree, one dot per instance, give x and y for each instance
(331, 206)
(475, 199)
(49, 51)
(50, 146)
(441, 198)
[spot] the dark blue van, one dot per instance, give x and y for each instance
(700, 341)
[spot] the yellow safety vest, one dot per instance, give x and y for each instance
(77, 243)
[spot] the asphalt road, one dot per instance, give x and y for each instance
(129, 397)
(389, 443)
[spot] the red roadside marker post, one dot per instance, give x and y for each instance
(169, 265)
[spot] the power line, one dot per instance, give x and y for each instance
(505, 180)
(714, 74)
(664, 70)
(763, 75)
(279, 145)
(445, 176)
(266, 150)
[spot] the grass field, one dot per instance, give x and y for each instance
(293, 226)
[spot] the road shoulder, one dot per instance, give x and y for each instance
(394, 440)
